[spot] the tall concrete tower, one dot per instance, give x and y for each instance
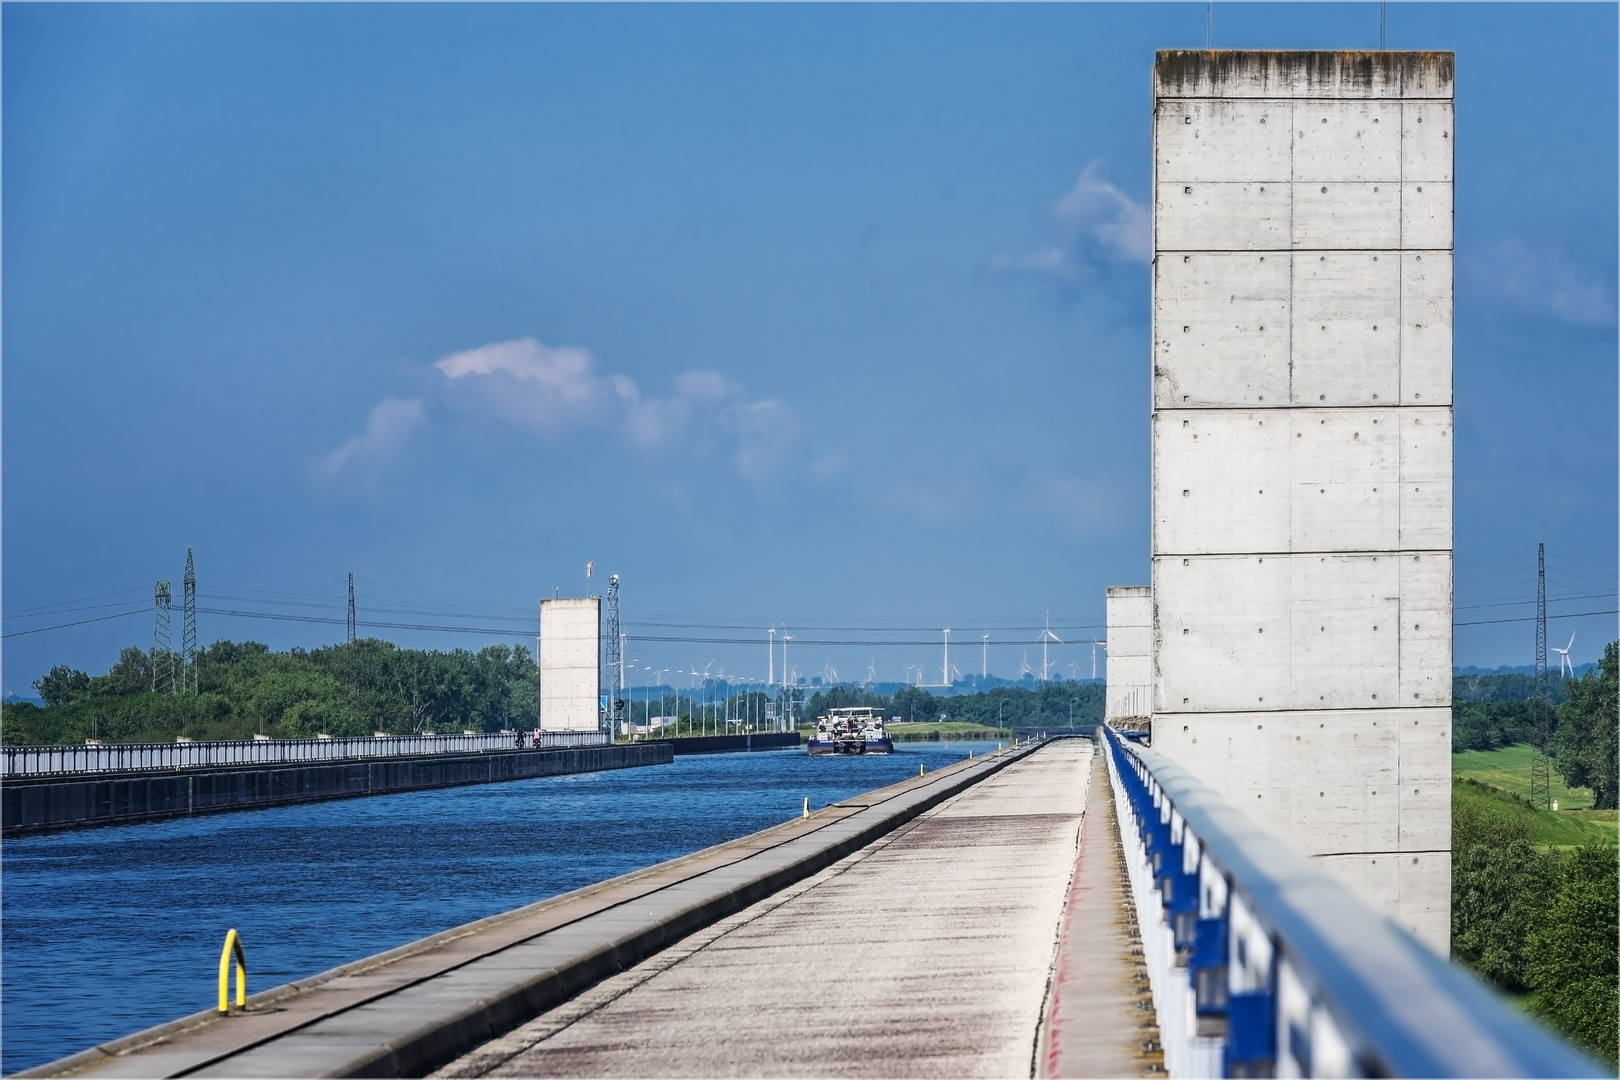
(1130, 653)
(1302, 461)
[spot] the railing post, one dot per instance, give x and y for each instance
(233, 947)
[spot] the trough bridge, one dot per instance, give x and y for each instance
(1070, 907)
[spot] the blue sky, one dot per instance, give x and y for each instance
(828, 317)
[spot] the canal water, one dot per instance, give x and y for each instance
(114, 929)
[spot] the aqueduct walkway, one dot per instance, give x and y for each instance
(1065, 909)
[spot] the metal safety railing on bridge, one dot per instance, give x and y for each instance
(1262, 965)
(23, 761)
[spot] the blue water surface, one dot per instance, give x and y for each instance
(113, 929)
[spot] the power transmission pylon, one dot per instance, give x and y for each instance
(162, 640)
(354, 660)
(1540, 706)
(615, 657)
(188, 630)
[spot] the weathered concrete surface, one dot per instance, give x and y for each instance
(409, 1010)
(571, 663)
(927, 954)
(1100, 1018)
(1130, 652)
(1302, 453)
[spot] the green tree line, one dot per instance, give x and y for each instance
(1492, 711)
(1049, 705)
(243, 688)
(1534, 919)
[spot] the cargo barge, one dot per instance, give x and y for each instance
(851, 731)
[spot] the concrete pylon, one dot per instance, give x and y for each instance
(1302, 453)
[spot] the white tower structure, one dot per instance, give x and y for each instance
(571, 664)
(1130, 653)
(1302, 453)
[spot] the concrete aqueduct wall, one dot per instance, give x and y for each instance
(1302, 453)
(57, 802)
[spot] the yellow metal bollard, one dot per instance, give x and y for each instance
(919, 770)
(233, 945)
(807, 807)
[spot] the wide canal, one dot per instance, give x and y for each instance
(113, 929)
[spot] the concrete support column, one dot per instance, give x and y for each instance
(1302, 453)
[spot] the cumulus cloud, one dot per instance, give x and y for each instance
(1543, 281)
(554, 391)
(766, 431)
(389, 425)
(526, 383)
(1101, 217)
(1097, 225)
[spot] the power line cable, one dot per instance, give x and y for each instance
(1532, 618)
(1565, 558)
(81, 622)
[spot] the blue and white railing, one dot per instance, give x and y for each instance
(22, 761)
(1262, 965)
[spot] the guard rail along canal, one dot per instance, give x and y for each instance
(21, 761)
(145, 783)
(1262, 965)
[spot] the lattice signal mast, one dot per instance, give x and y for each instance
(351, 607)
(188, 630)
(1541, 707)
(615, 656)
(162, 640)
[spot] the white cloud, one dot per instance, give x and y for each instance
(526, 383)
(1097, 225)
(1103, 218)
(701, 385)
(389, 425)
(766, 432)
(557, 390)
(657, 421)
(1544, 281)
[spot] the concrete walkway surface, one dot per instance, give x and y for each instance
(409, 1010)
(928, 953)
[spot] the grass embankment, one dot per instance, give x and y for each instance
(1504, 774)
(1547, 828)
(1509, 770)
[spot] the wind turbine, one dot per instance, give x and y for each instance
(1563, 657)
(1047, 637)
(871, 671)
(1094, 644)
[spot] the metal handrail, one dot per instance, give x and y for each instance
(1264, 965)
(233, 946)
(27, 761)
